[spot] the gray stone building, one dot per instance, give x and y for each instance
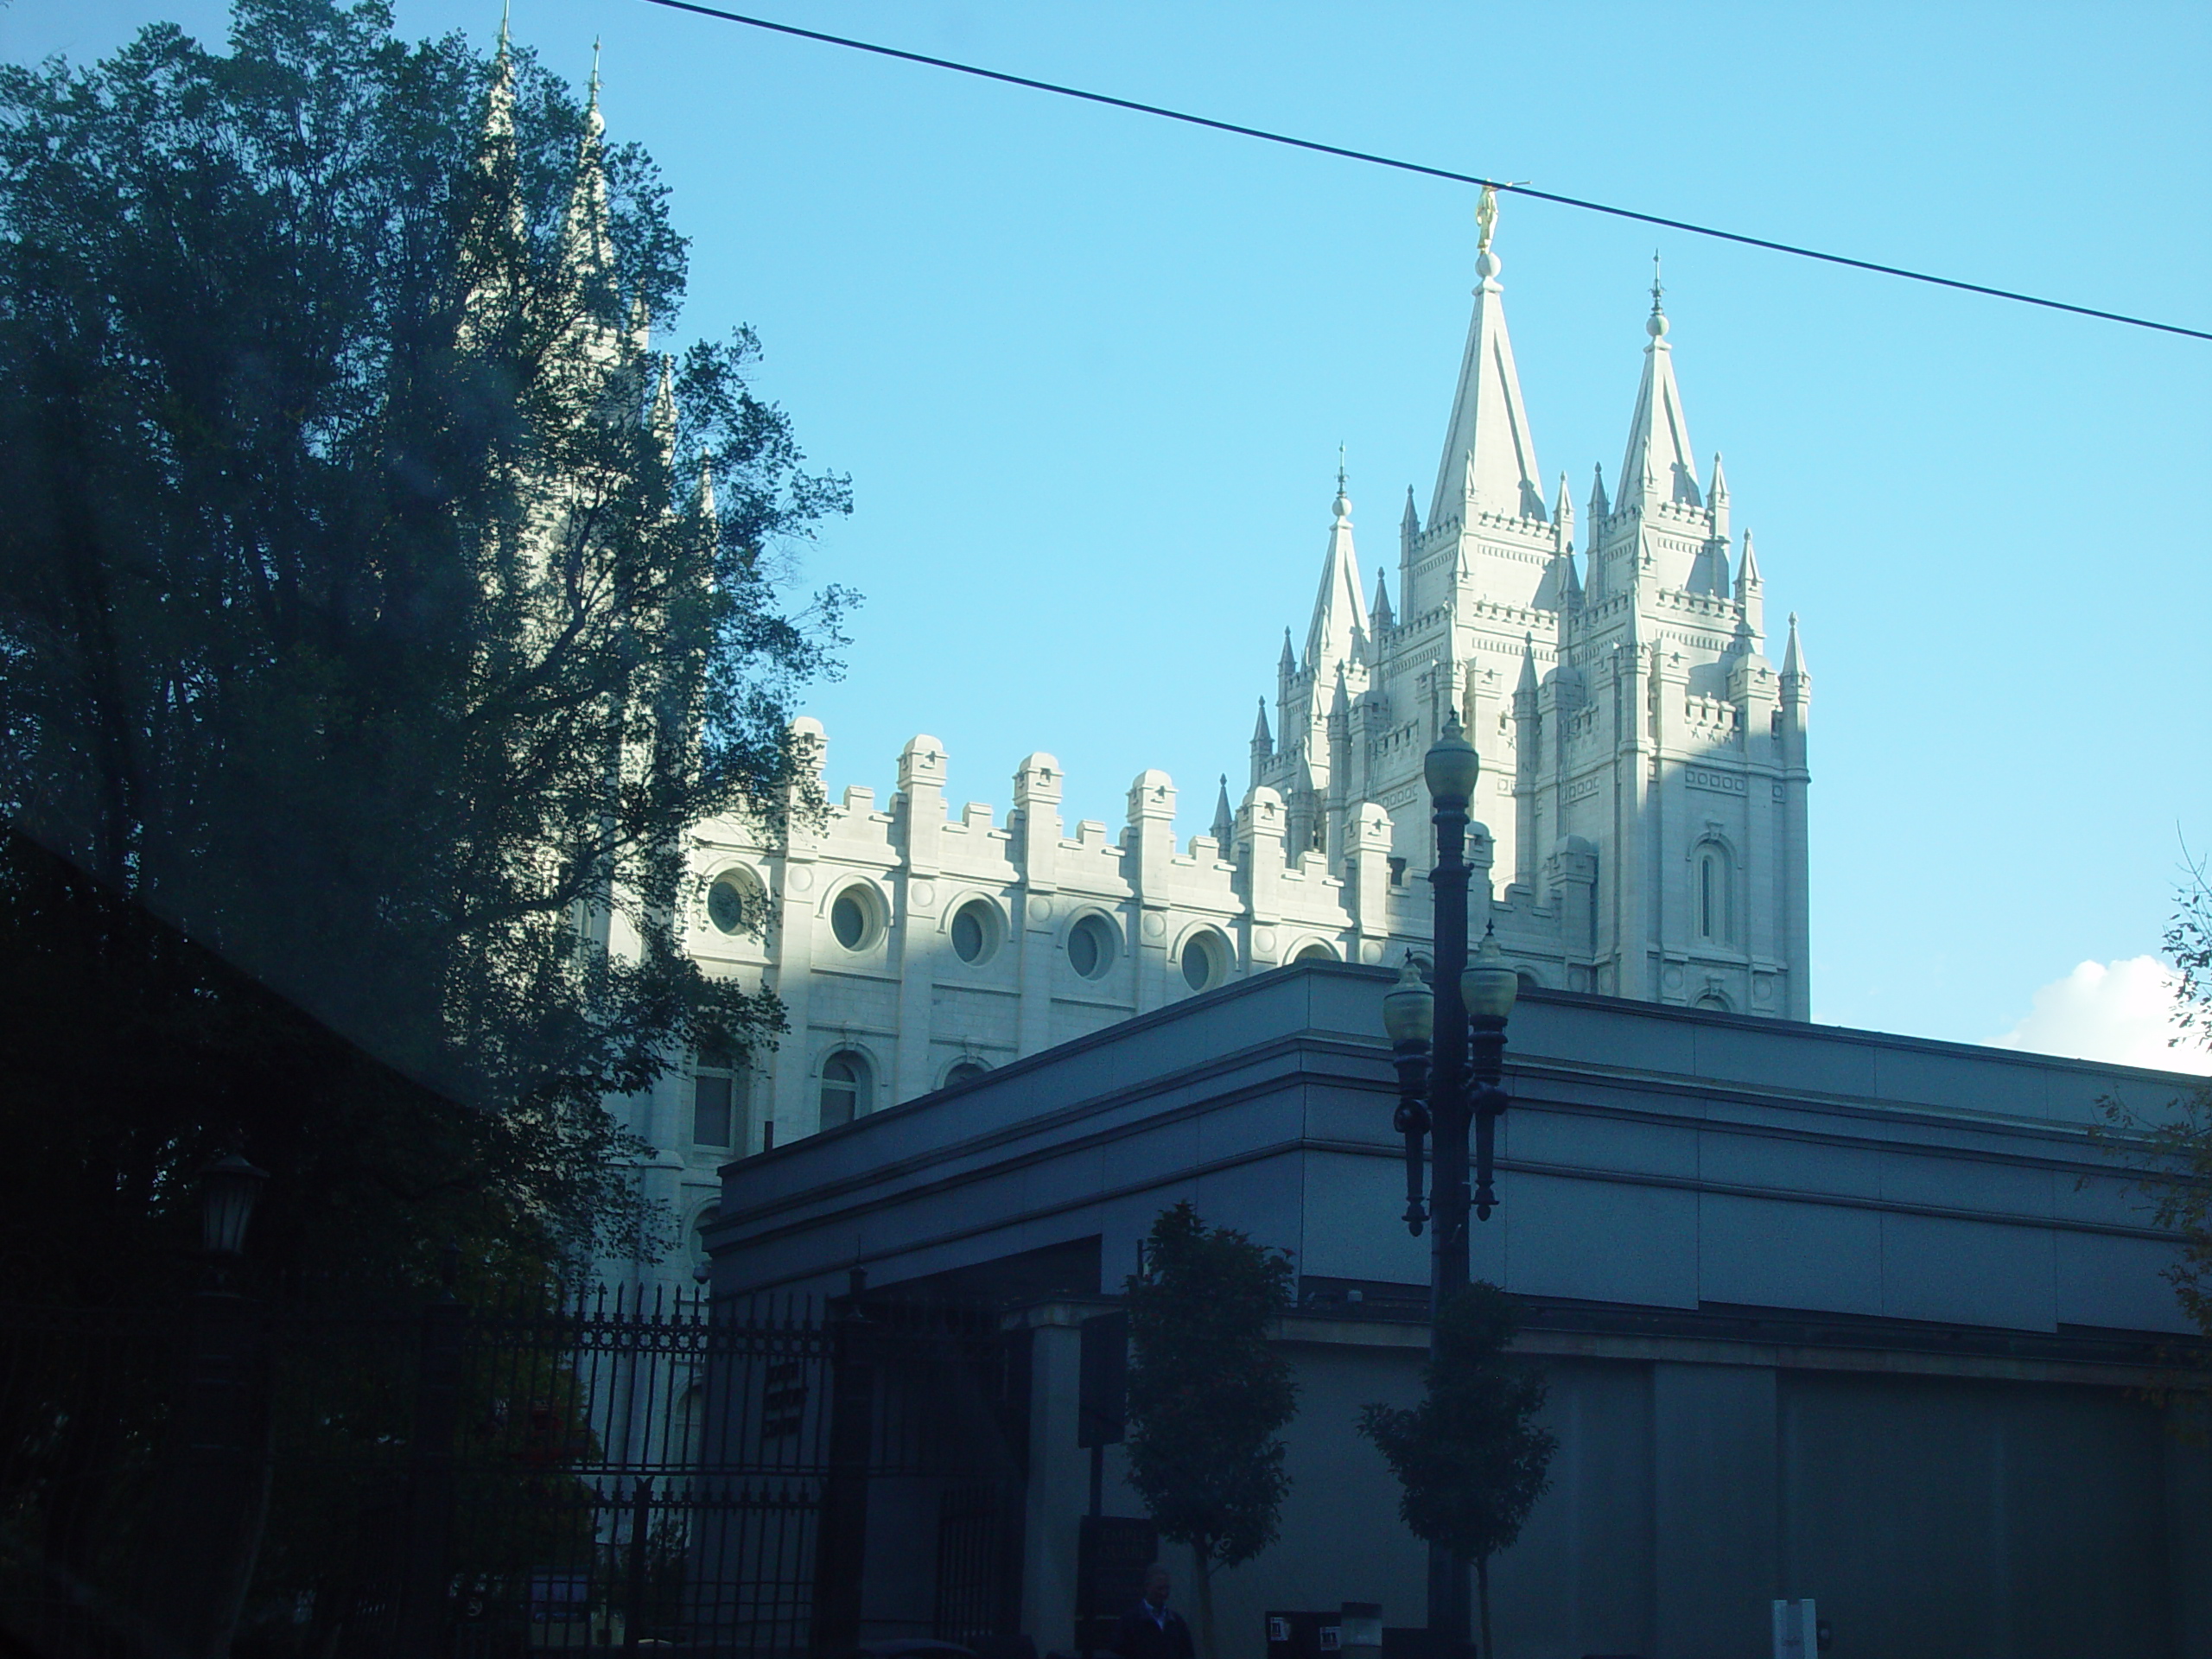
(1825, 1313)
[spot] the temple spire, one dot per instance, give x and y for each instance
(1224, 821)
(1339, 623)
(662, 420)
(584, 241)
(1488, 463)
(1658, 432)
(1793, 655)
(1380, 611)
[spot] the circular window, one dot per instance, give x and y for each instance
(1204, 961)
(852, 919)
(975, 930)
(733, 900)
(1090, 946)
(1315, 953)
(965, 1071)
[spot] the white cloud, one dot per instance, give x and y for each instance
(2123, 1012)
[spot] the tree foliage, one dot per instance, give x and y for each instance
(1209, 1394)
(2178, 1142)
(375, 608)
(1469, 1459)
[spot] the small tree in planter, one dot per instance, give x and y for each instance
(1208, 1395)
(1470, 1458)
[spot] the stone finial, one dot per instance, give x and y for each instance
(1037, 779)
(1152, 796)
(921, 763)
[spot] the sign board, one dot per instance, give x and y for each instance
(1103, 1383)
(1797, 1630)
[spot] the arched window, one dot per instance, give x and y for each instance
(1316, 951)
(964, 1071)
(1713, 1000)
(1092, 944)
(717, 1095)
(1715, 895)
(848, 1087)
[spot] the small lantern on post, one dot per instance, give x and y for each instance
(1487, 987)
(1409, 1017)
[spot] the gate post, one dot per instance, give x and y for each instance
(841, 1540)
(641, 1520)
(427, 1565)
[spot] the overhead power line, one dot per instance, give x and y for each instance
(1374, 160)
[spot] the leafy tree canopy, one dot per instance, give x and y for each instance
(375, 607)
(1208, 1393)
(1470, 1459)
(2178, 1180)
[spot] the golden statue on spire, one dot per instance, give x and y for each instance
(1485, 218)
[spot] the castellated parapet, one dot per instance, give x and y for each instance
(913, 946)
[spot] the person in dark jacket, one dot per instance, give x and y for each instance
(1153, 1629)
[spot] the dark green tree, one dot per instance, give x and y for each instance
(379, 613)
(1209, 1394)
(1470, 1459)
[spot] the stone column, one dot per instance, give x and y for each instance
(1149, 850)
(1036, 827)
(919, 826)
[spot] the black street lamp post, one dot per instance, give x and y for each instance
(214, 1482)
(1448, 1041)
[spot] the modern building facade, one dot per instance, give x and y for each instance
(1824, 1314)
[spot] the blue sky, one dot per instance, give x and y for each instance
(1089, 372)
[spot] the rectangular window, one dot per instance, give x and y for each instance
(710, 1108)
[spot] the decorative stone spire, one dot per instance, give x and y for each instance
(1408, 522)
(1659, 460)
(1339, 623)
(1562, 519)
(1263, 743)
(1601, 507)
(662, 421)
(1716, 503)
(1750, 596)
(1526, 687)
(1286, 667)
(1793, 655)
(585, 243)
(1224, 821)
(1379, 613)
(1489, 458)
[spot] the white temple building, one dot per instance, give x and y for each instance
(1640, 826)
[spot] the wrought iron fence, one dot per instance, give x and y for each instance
(610, 1470)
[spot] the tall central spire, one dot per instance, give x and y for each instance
(1659, 461)
(1490, 456)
